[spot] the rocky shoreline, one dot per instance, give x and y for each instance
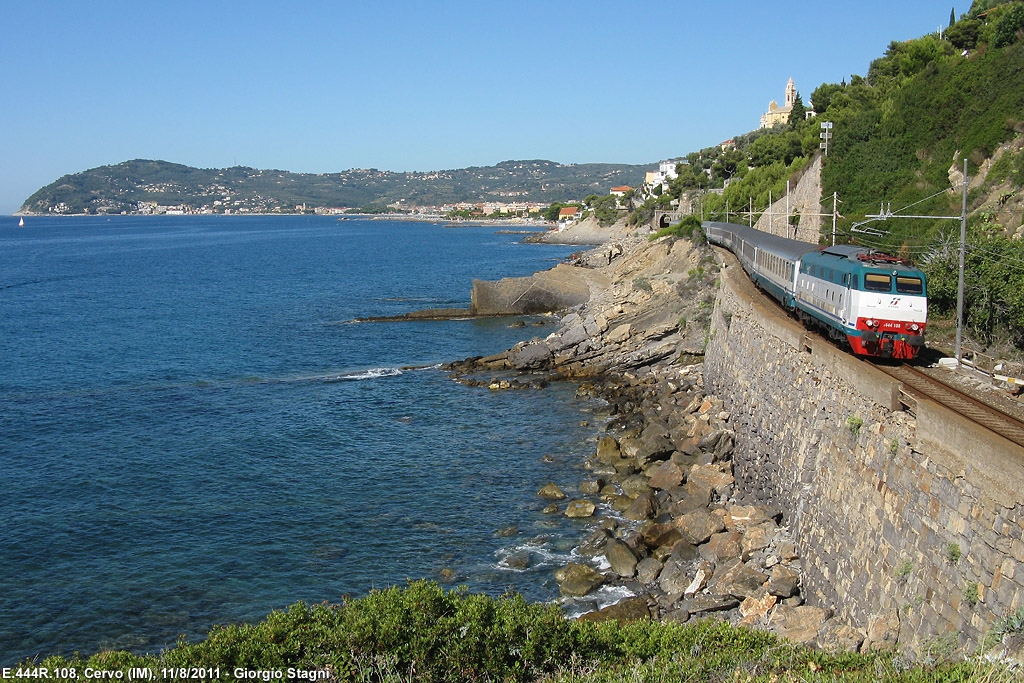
(668, 526)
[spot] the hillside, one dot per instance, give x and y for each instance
(901, 135)
(130, 184)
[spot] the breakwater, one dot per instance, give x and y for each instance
(909, 525)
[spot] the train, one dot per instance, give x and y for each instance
(874, 303)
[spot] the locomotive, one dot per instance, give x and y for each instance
(877, 304)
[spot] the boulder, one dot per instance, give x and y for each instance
(723, 546)
(594, 543)
(635, 485)
(644, 507)
(704, 602)
(621, 558)
(624, 611)
(579, 508)
(799, 625)
(608, 451)
(756, 538)
(551, 492)
(700, 578)
(674, 578)
(784, 582)
(576, 580)
(665, 475)
(661, 534)
(530, 356)
(711, 477)
(743, 517)
(647, 570)
(697, 526)
(736, 578)
(591, 486)
(839, 637)
(520, 559)
(753, 610)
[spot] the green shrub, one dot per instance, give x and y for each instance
(854, 423)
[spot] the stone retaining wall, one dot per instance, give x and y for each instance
(899, 533)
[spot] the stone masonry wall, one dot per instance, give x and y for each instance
(804, 199)
(898, 536)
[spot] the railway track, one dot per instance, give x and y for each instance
(918, 384)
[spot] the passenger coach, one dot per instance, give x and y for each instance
(877, 303)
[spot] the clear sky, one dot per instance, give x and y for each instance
(407, 85)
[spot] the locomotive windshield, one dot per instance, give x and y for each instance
(909, 285)
(877, 282)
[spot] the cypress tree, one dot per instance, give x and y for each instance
(952, 16)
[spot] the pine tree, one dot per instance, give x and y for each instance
(798, 113)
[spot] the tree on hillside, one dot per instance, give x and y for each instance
(822, 96)
(798, 113)
(952, 16)
(1008, 26)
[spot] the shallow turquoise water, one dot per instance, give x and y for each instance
(188, 436)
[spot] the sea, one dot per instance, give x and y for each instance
(193, 432)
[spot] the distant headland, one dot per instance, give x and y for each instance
(160, 187)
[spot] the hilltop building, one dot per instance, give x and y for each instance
(776, 114)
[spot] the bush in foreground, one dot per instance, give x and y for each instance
(422, 633)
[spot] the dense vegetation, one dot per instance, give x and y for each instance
(121, 187)
(422, 633)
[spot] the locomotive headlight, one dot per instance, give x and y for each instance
(871, 323)
(914, 327)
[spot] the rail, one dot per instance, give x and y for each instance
(917, 383)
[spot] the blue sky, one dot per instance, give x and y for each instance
(410, 85)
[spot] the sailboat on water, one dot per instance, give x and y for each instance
(21, 223)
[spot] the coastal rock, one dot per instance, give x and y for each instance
(711, 477)
(530, 356)
(551, 491)
(705, 602)
(726, 545)
(620, 333)
(579, 508)
(666, 475)
(576, 580)
(798, 624)
(647, 570)
(784, 582)
(697, 526)
(700, 578)
(736, 578)
(591, 486)
(661, 534)
(644, 507)
(674, 578)
(624, 611)
(743, 517)
(839, 637)
(622, 560)
(594, 543)
(756, 538)
(635, 485)
(754, 610)
(608, 450)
